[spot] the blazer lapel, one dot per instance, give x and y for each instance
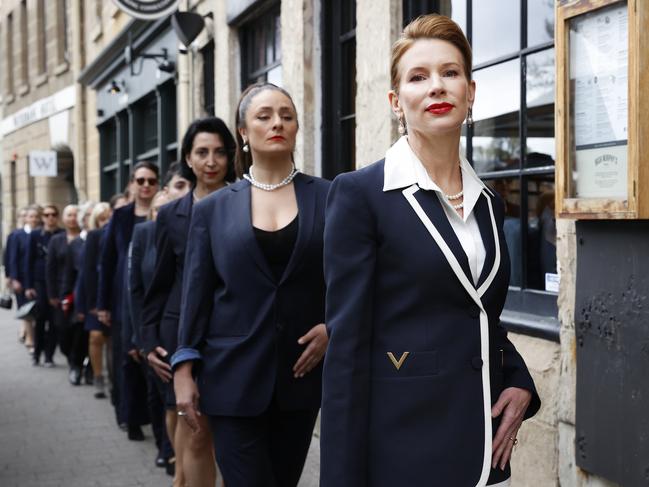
(487, 219)
(483, 217)
(305, 196)
(433, 208)
(243, 227)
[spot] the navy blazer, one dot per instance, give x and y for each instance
(417, 355)
(55, 266)
(161, 308)
(113, 261)
(8, 250)
(90, 267)
(15, 252)
(237, 319)
(141, 265)
(36, 258)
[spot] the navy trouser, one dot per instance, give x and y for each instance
(263, 451)
(44, 329)
(157, 410)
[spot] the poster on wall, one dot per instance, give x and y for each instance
(599, 59)
(43, 163)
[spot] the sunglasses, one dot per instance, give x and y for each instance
(151, 181)
(47, 215)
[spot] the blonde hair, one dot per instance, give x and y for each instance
(431, 26)
(98, 210)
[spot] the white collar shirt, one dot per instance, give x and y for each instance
(27, 229)
(403, 169)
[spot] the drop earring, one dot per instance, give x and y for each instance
(469, 118)
(402, 127)
(245, 147)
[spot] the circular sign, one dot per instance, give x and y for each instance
(147, 9)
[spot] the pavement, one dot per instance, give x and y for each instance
(53, 434)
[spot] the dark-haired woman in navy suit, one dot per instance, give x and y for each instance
(421, 385)
(207, 161)
(252, 319)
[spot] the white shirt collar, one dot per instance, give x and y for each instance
(27, 229)
(83, 234)
(403, 169)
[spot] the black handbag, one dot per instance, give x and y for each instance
(28, 311)
(6, 301)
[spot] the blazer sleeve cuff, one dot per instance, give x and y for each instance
(184, 355)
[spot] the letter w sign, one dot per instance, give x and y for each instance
(42, 163)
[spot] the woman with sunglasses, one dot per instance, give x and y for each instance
(207, 161)
(252, 324)
(129, 382)
(36, 287)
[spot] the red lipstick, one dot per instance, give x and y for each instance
(277, 138)
(439, 108)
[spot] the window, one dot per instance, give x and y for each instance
(62, 49)
(208, 78)
(511, 144)
(24, 34)
(456, 9)
(9, 54)
(261, 49)
(41, 36)
(339, 88)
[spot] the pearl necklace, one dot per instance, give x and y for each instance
(450, 197)
(270, 187)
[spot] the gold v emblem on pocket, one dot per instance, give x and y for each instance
(395, 362)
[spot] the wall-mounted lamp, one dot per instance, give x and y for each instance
(116, 86)
(165, 64)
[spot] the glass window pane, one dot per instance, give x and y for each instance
(539, 83)
(456, 9)
(348, 65)
(496, 29)
(275, 75)
(509, 190)
(496, 142)
(541, 233)
(540, 21)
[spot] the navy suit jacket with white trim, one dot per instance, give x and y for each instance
(391, 288)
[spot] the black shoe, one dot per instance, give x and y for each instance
(160, 461)
(49, 364)
(135, 433)
(88, 374)
(170, 468)
(36, 362)
(74, 376)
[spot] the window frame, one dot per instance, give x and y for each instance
(266, 18)
(336, 158)
(527, 311)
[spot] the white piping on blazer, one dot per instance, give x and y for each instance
(475, 294)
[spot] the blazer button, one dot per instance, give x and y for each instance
(476, 363)
(474, 311)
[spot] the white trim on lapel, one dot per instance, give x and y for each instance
(496, 264)
(409, 194)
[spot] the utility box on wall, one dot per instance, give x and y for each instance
(612, 328)
(602, 116)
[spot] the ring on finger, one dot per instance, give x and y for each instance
(182, 413)
(513, 440)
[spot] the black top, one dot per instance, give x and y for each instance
(277, 246)
(139, 219)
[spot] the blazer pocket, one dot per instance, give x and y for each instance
(398, 364)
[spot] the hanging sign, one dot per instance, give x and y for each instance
(42, 163)
(147, 9)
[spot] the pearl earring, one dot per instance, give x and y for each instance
(402, 127)
(245, 147)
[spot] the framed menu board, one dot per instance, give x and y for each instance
(601, 130)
